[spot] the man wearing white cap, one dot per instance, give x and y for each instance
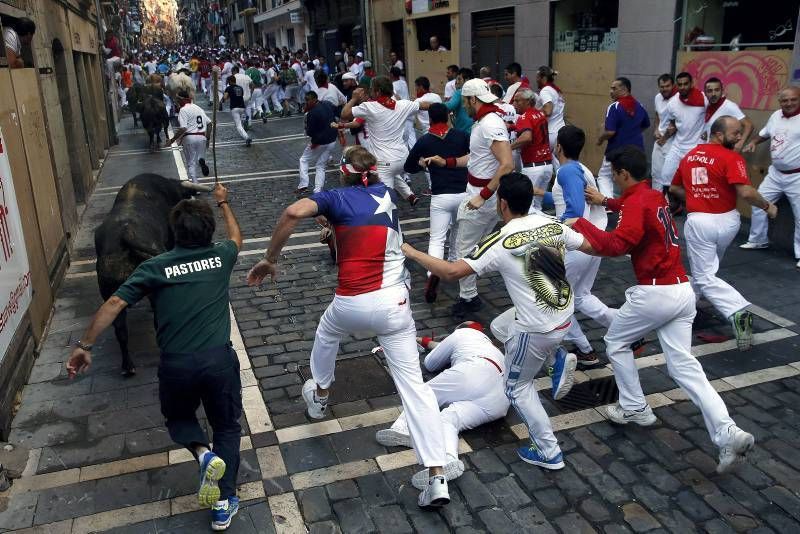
(357, 68)
(489, 158)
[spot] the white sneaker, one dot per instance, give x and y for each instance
(642, 417)
(452, 470)
(435, 493)
(316, 405)
(392, 438)
(753, 246)
(732, 454)
(798, 264)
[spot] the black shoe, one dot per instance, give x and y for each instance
(430, 288)
(204, 167)
(248, 142)
(464, 307)
(220, 107)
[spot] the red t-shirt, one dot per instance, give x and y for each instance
(646, 231)
(205, 69)
(536, 122)
(709, 173)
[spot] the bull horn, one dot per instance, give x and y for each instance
(197, 187)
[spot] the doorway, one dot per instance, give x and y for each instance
(493, 40)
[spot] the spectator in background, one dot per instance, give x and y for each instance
(435, 45)
(461, 119)
(395, 61)
(450, 86)
(112, 49)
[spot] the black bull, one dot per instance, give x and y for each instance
(136, 229)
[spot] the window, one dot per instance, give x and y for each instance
(724, 25)
(290, 38)
(438, 26)
(585, 25)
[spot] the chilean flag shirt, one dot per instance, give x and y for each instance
(368, 237)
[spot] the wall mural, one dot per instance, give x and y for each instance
(751, 78)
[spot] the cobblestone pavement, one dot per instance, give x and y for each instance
(99, 458)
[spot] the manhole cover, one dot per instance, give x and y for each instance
(591, 394)
(357, 379)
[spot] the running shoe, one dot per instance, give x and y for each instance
(389, 437)
(642, 417)
(463, 307)
(562, 373)
(211, 470)
(316, 405)
(452, 470)
(435, 493)
(222, 513)
(586, 358)
(742, 322)
(732, 454)
(753, 246)
(204, 167)
(531, 455)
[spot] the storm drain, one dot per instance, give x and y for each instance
(357, 379)
(590, 394)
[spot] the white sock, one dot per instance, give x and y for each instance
(202, 456)
(222, 504)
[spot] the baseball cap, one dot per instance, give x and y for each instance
(359, 54)
(349, 76)
(479, 89)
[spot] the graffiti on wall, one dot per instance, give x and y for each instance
(752, 79)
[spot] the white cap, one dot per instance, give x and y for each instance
(349, 76)
(359, 54)
(479, 89)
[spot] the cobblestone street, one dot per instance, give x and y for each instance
(99, 458)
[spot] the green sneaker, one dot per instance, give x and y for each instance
(742, 322)
(211, 470)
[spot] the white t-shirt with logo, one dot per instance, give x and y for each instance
(424, 120)
(556, 119)
(728, 107)
(386, 127)
(529, 253)
(482, 161)
(689, 120)
(784, 146)
(193, 118)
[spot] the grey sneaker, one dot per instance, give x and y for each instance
(732, 454)
(642, 417)
(742, 322)
(392, 438)
(316, 405)
(753, 246)
(452, 470)
(435, 493)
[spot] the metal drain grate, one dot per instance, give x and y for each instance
(357, 379)
(591, 394)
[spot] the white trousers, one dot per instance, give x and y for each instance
(319, 155)
(194, 148)
(205, 84)
(581, 272)
(707, 236)
(271, 95)
(386, 313)
(775, 185)
(671, 162)
(444, 214)
(391, 174)
(410, 135)
(604, 179)
(539, 177)
(669, 310)
(657, 165)
(472, 226)
(256, 100)
(526, 352)
(238, 114)
(471, 394)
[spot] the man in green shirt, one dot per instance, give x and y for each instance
(188, 286)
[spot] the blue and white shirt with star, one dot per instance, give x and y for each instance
(366, 223)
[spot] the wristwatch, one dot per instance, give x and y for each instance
(84, 346)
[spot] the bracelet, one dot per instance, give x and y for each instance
(221, 202)
(450, 162)
(486, 193)
(81, 345)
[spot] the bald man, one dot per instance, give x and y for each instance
(783, 177)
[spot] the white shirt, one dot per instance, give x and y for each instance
(449, 89)
(482, 162)
(463, 345)
(386, 127)
(244, 81)
(357, 69)
(298, 70)
(399, 65)
(150, 67)
(136, 73)
(784, 146)
(311, 83)
(728, 107)
(400, 89)
(593, 213)
(689, 120)
(556, 119)
(508, 98)
(331, 94)
(543, 300)
(423, 117)
(193, 118)
(226, 70)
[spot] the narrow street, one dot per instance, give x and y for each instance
(100, 460)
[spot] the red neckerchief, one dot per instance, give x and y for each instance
(421, 92)
(386, 101)
(792, 114)
(439, 128)
(712, 108)
(323, 86)
(673, 92)
(694, 98)
(628, 103)
(485, 110)
(554, 86)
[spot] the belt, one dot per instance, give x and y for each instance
(664, 280)
(493, 363)
(477, 182)
(790, 171)
(536, 164)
